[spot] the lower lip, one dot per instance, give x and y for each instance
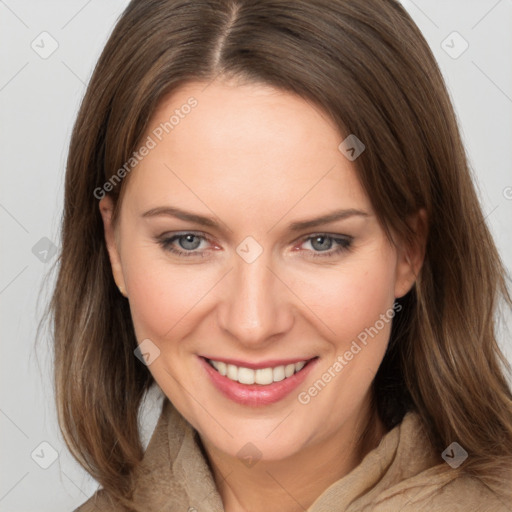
(256, 394)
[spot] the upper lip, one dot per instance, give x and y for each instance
(269, 363)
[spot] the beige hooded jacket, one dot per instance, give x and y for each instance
(400, 475)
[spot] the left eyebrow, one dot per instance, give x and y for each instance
(326, 219)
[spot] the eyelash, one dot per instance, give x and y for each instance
(344, 244)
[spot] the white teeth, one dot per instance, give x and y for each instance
(299, 366)
(245, 376)
(278, 373)
(222, 368)
(289, 370)
(262, 376)
(232, 372)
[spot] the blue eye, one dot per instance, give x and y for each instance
(189, 242)
(322, 243)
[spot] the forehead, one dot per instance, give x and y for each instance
(248, 142)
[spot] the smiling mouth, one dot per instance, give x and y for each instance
(262, 376)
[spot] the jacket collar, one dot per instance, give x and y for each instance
(175, 472)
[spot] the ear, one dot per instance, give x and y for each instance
(106, 206)
(411, 254)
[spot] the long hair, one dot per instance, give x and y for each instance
(368, 67)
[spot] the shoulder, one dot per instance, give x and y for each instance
(418, 480)
(99, 501)
(435, 490)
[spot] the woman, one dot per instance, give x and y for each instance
(269, 216)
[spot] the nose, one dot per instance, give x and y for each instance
(255, 307)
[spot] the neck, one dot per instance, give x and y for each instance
(294, 483)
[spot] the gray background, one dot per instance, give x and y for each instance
(39, 98)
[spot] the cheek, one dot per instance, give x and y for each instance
(351, 298)
(357, 306)
(161, 294)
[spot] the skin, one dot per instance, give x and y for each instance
(256, 159)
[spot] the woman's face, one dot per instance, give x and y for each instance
(220, 254)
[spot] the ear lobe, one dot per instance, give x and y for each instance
(411, 254)
(106, 206)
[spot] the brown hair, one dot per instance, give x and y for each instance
(367, 65)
